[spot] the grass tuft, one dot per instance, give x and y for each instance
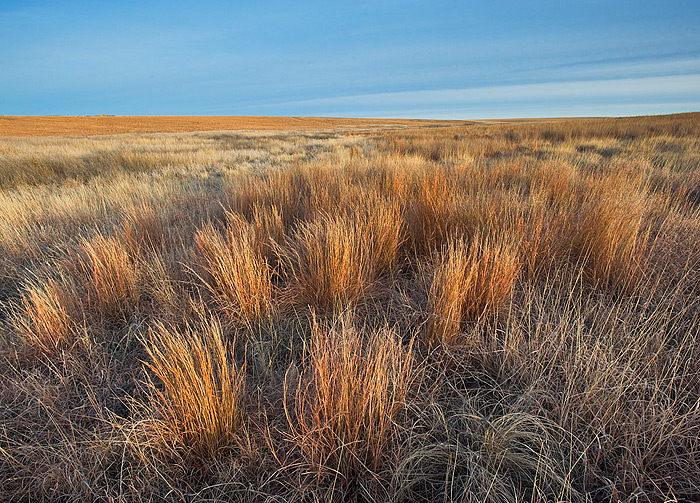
(43, 318)
(239, 278)
(469, 280)
(199, 391)
(333, 261)
(113, 277)
(348, 400)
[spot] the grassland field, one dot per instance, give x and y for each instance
(290, 309)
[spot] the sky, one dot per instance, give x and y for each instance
(413, 59)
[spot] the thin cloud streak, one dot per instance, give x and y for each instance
(676, 85)
(570, 98)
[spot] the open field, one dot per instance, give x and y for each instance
(494, 312)
(105, 124)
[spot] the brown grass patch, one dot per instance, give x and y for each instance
(333, 261)
(469, 280)
(113, 276)
(346, 404)
(201, 401)
(239, 279)
(44, 317)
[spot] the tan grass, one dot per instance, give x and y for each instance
(610, 238)
(142, 229)
(469, 280)
(44, 319)
(105, 125)
(112, 276)
(334, 261)
(473, 457)
(550, 267)
(429, 210)
(239, 278)
(346, 404)
(201, 401)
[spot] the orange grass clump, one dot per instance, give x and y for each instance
(141, 229)
(610, 235)
(469, 280)
(333, 261)
(240, 279)
(347, 403)
(113, 276)
(201, 401)
(43, 318)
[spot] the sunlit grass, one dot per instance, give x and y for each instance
(503, 312)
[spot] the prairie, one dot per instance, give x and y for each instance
(351, 311)
(107, 124)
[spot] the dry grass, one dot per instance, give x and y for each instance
(103, 125)
(44, 316)
(202, 399)
(469, 280)
(549, 269)
(113, 277)
(610, 237)
(239, 279)
(465, 456)
(346, 404)
(142, 229)
(335, 260)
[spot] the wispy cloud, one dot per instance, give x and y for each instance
(667, 90)
(648, 86)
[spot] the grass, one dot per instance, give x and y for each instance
(112, 276)
(343, 419)
(43, 318)
(202, 398)
(335, 260)
(481, 312)
(469, 280)
(239, 279)
(101, 125)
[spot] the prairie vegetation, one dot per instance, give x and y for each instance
(109, 124)
(492, 312)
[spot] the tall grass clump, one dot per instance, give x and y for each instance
(239, 279)
(199, 390)
(468, 281)
(609, 239)
(267, 223)
(334, 260)
(44, 317)
(430, 208)
(347, 401)
(113, 276)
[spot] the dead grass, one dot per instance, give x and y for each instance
(239, 279)
(469, 280)
(231, 316)
(346, 404)
(113, 277)
(463, 455)
(610, 237)
(335, 260)
(45, 317)
(104, 125)
(202, 399)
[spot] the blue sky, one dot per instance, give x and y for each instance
(432, 59)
